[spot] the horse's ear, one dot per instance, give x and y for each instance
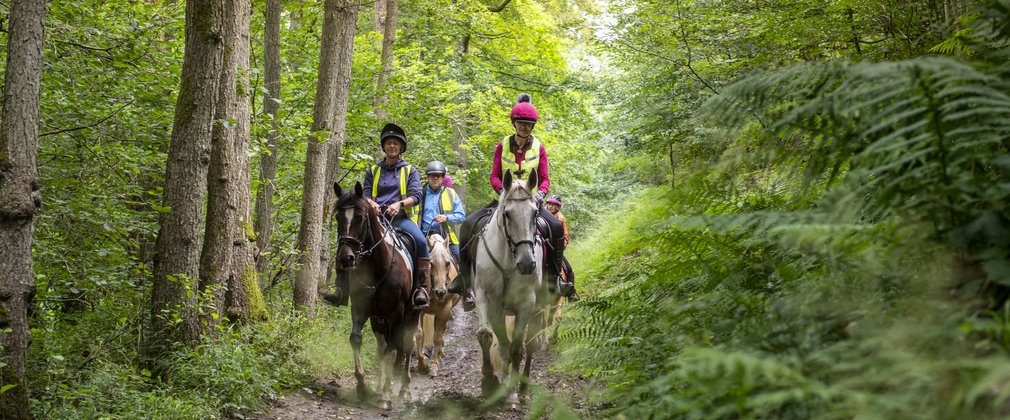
(507, 180)
(336, 189)
(358, 190)
(533, 181)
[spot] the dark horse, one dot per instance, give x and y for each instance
(380, 287)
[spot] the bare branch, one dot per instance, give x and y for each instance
(95, 124)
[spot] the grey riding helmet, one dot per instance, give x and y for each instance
(435, 168)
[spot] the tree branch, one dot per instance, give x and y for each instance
(95, 124)
(500, 7)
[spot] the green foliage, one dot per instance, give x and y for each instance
(831, 264)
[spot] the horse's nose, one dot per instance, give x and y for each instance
(347, 260)
(440, 293)
(526, 266)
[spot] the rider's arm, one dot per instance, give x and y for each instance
(413, 189)
(543, 172)
(496, 183)
(457, 215)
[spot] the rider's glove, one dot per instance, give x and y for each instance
(539, 196)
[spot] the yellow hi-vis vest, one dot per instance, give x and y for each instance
(404, 177)
(531, 162)
(446, 198)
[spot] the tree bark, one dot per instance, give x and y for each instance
(268, 162)
(345, 44)
(243, 301)
(386, 59)
(19, 196)
(225, 263)
(176, 266)
(310, 231)
(379, 16)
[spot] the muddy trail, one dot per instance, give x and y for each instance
(453, 393)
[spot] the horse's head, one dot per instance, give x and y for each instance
(442, 268)
(518, 210)
(354, 226)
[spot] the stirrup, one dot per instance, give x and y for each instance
(420, 302)
(566, 288)
(469, 300)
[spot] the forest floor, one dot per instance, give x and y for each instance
(454, 393)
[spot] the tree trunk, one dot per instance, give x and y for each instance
(379, 16)
(243, 301)
(386, 59)
(345, 45)
(268, 162)
(177, 263)
(19, 196)
(310, 230)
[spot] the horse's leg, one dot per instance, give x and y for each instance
(439, 341)
(485, 336)
(556, 318)
(380, 329)
(534, 343)
(422, 363)
(357, 321)
(406, 347)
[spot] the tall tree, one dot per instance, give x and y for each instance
(379, 15)
(268, 162)
(224, 261)
(386, 59)
(177, 264)
(243, 301)
(19, 197)
(345, 44)
(337, 13)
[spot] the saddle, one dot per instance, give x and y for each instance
(405, 242)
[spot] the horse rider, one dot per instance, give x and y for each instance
(567, 285)
(441, 208)
(393, 185)
(521, 152)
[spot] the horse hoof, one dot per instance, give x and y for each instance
(433, 372)
(385, 405)
(405, 396)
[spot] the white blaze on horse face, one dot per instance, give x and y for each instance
(348, 216)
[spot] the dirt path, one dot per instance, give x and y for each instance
(454, 393)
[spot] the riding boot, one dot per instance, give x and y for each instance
(421, 276)
(343, 292)
(461, 286)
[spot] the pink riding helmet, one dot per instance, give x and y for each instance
(447, 181)
(524, 109)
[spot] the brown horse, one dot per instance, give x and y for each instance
(380, 288)
(435, 317)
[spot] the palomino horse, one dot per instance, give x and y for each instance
(508, 273)
(435, 317)
(380, 288)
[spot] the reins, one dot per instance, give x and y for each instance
(365, 253)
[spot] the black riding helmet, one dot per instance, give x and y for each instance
(393, 130)
(435, 167)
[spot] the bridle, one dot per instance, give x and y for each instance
(358, 246)
(355, 242)
(513, 244)
(508, 237)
